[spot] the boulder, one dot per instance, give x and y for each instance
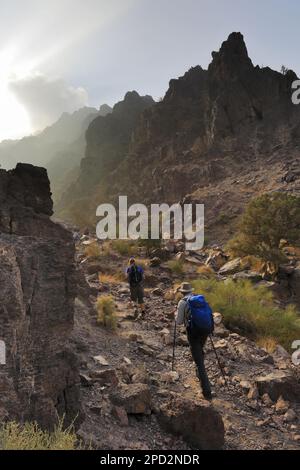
(147, 350)
(155, 262)
(193, 260)
(247, 276)
(232, 267)
(216, 260)
(85, 380)
(166, 336)
(101, 360)
(277, 384)
(134, 398)
(162, 253)
(169, 377)
(180, 257)
(198, 423)
(290, 416)
(140, 376)
(120, 414)
(124, 291)
(281, 406)
(158, 292)
(281, 353)
(105, 377)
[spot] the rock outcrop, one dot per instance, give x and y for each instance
(198, 422)
(279, 384)
(37, 290)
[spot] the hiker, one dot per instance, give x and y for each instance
(196, 315)
(76, 236)
(135, 276)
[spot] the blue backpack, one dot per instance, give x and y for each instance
(201, 317)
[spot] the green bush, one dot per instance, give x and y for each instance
(267, 220)
(251, 310)
(106, 312)
(125, 247)
(176, 266)
(29, 436)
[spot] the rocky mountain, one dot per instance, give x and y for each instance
(107, 143)
(218, 136)
(38, 287)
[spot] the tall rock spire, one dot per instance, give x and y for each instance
(232, 57)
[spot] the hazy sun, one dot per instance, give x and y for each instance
(14, 120)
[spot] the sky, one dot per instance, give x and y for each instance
(60, 55)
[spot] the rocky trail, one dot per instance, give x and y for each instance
(132, 399)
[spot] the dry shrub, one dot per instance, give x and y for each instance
(93, 251)
(106, 310)
(29, 436)
(205, 271)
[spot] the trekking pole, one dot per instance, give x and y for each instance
(219, 363)
(174, 344)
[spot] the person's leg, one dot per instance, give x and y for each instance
(140, 291)
(196, 344)
(134, 297)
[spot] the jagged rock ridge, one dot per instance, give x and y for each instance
(219, 135)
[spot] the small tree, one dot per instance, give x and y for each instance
(267, 220)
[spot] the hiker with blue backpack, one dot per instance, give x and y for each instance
(135, 277)
(196, 315)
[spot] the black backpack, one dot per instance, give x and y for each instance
(135, 275)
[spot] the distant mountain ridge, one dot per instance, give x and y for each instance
(59, 147)
(108, 140)
(38, 149)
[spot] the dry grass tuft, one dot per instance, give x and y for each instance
(106, 310)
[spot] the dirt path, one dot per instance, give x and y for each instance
(142, 347)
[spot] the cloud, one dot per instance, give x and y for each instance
(46, 99)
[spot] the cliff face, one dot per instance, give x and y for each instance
(37, 290)
(211, 123)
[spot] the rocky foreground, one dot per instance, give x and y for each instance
(133, 400)
(118, 386)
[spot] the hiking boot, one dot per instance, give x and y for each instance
(208, 395)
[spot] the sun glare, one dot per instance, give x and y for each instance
(14, 120)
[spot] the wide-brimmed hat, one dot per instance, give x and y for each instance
(186, 288)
